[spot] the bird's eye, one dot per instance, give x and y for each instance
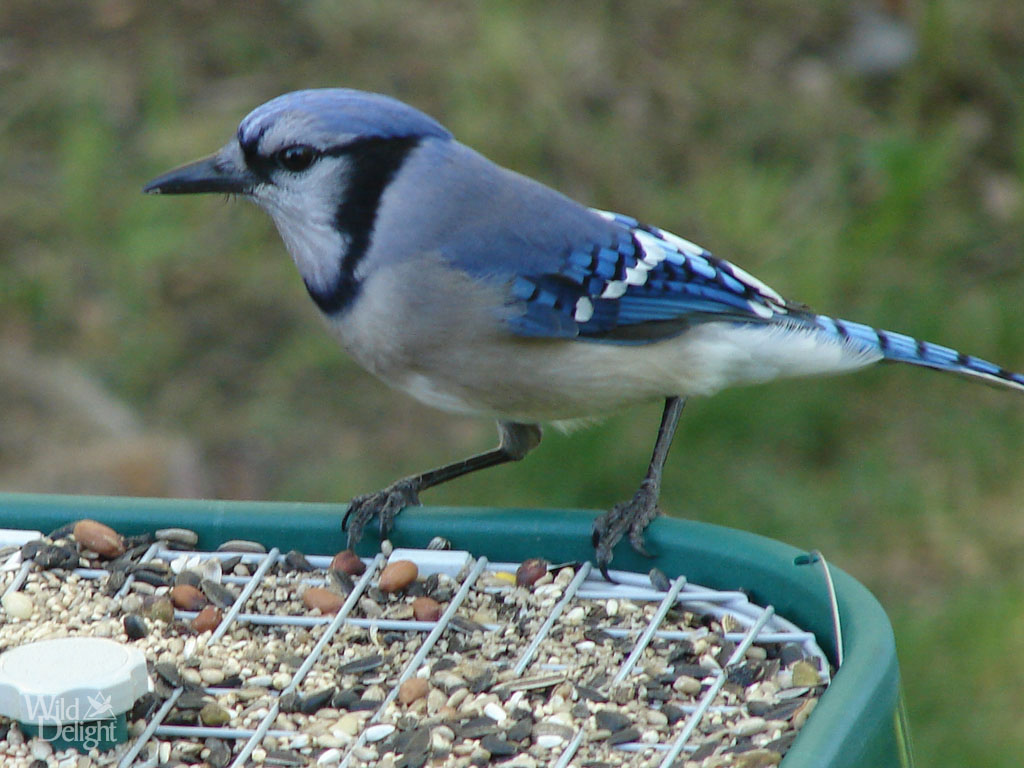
(296, 158)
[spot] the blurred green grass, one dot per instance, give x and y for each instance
(891, 200)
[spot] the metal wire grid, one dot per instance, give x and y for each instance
(757, 624)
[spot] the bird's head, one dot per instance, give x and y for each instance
(295, 144)
(318, 162)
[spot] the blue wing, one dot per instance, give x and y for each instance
(645, 285)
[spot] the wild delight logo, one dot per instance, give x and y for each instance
(89, 722)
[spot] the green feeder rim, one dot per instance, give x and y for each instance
(859, 720)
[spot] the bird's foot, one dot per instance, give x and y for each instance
(384, 504)
(631, 516)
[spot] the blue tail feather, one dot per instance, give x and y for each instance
(898, 347)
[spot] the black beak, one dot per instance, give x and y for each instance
(216, 173)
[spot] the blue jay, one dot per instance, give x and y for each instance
(482, 292)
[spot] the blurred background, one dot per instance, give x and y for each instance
(865, 159)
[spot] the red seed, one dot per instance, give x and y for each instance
(398, 575)
(209, 618)
(348, 562)
(98, 537)
(530, 571)
(426, 609)
(412, 689)
(187, 598)
(322, 599)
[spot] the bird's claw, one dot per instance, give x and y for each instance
(384, 504)
(630, 517)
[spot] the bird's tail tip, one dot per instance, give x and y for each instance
(898, 347)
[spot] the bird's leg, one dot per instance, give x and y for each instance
(636, 514)
(515, 441)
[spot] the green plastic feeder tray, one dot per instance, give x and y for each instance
(859, 720)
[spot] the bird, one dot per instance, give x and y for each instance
(482, 292)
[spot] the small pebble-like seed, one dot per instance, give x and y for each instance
(426, 609)
(242, 545)
(212, 676)
(436, 699)
(348, 724)
(182, 536)
(18, 605)
(612, 720)
(576, 615)
(187, 598)
(348, 562)
(495, 711)
(413, 689)
(805, 673)
(530, 571)
(208, 619)
(550, 728)
(297, 561)
(749, 726)
(135, 626)
(561, 718)
(659, 580)
(280, 681)
(498, 745)
(624, 736)
(323, 600)
(214, 715)
(397, 576)
(444, 733)
(756, 653)
(329, 757)
(687, 685)
(219, 754)
(520, 729)
(548, 740)
(450, 682)
(131, 603)
(315, 701)
(169, 673)
(458, 694)
(655, 717)
(158, 608)
(377, 732)
(100, 538)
